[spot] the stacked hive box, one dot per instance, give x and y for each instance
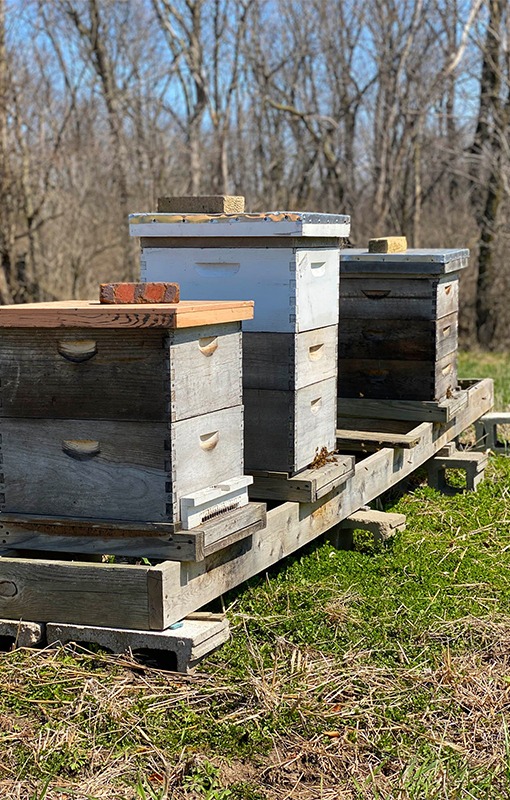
(122, 412)
(398, 324)
(287, 262)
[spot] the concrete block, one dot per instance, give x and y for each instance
(486, 430)
(203, 204)
(23, 634)
(197, 637)
(381, 524)
(113, 293)
(388, 244)
(473, 464)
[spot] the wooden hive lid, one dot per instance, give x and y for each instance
(92, 314)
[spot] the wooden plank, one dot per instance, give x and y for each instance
(306, 486)
(92, 314)
(48, 472)
(121, 596)
(54, 591)
(92, 373)
(418, 410)
(234, 522)
(346, 437)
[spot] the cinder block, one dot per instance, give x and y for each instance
(486, 430)
(203, 204)
(381, 524)
(193, 639)
(23, 634)
(388, 244)
(473, 464)
(112, 293)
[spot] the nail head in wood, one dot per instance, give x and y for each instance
(203, 204)
(388, 244)
(114, 293)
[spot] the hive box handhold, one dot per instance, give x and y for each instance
(204, 204)
(139, 293)
(388, 244)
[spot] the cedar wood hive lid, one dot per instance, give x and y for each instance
(92, 314)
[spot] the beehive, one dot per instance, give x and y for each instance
(288, 263)
(399, 324)
(120, 412)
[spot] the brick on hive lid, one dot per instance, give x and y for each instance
(388, 244)
(160, 292)
(202, 204)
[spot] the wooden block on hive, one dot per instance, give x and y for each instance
(139, 293)
(388, 244)
(203, 204)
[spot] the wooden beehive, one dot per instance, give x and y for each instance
(120, 412)
(288, 263)
(399, 324)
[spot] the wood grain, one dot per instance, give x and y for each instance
(409, 340)
(281, 361)
(283, 430)
(88, 313)
(397, 380)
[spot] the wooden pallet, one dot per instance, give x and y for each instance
(153, 597)
(305, 487)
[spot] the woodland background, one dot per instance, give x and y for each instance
(394, 111)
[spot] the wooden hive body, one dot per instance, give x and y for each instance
(399, 324)
(118, 412)
(289, 265)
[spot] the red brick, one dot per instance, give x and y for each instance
(139, 293)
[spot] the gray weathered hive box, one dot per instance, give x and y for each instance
(120, 411)
(288, 263)
(399, 324)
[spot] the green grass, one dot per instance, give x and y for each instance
(481, 364)
(381, 672)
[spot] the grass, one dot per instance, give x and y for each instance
(474, 364)
(381, 672)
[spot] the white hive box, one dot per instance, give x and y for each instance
(287, 262)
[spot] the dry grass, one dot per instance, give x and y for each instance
(346, 711)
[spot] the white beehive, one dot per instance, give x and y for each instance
(288, 263)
